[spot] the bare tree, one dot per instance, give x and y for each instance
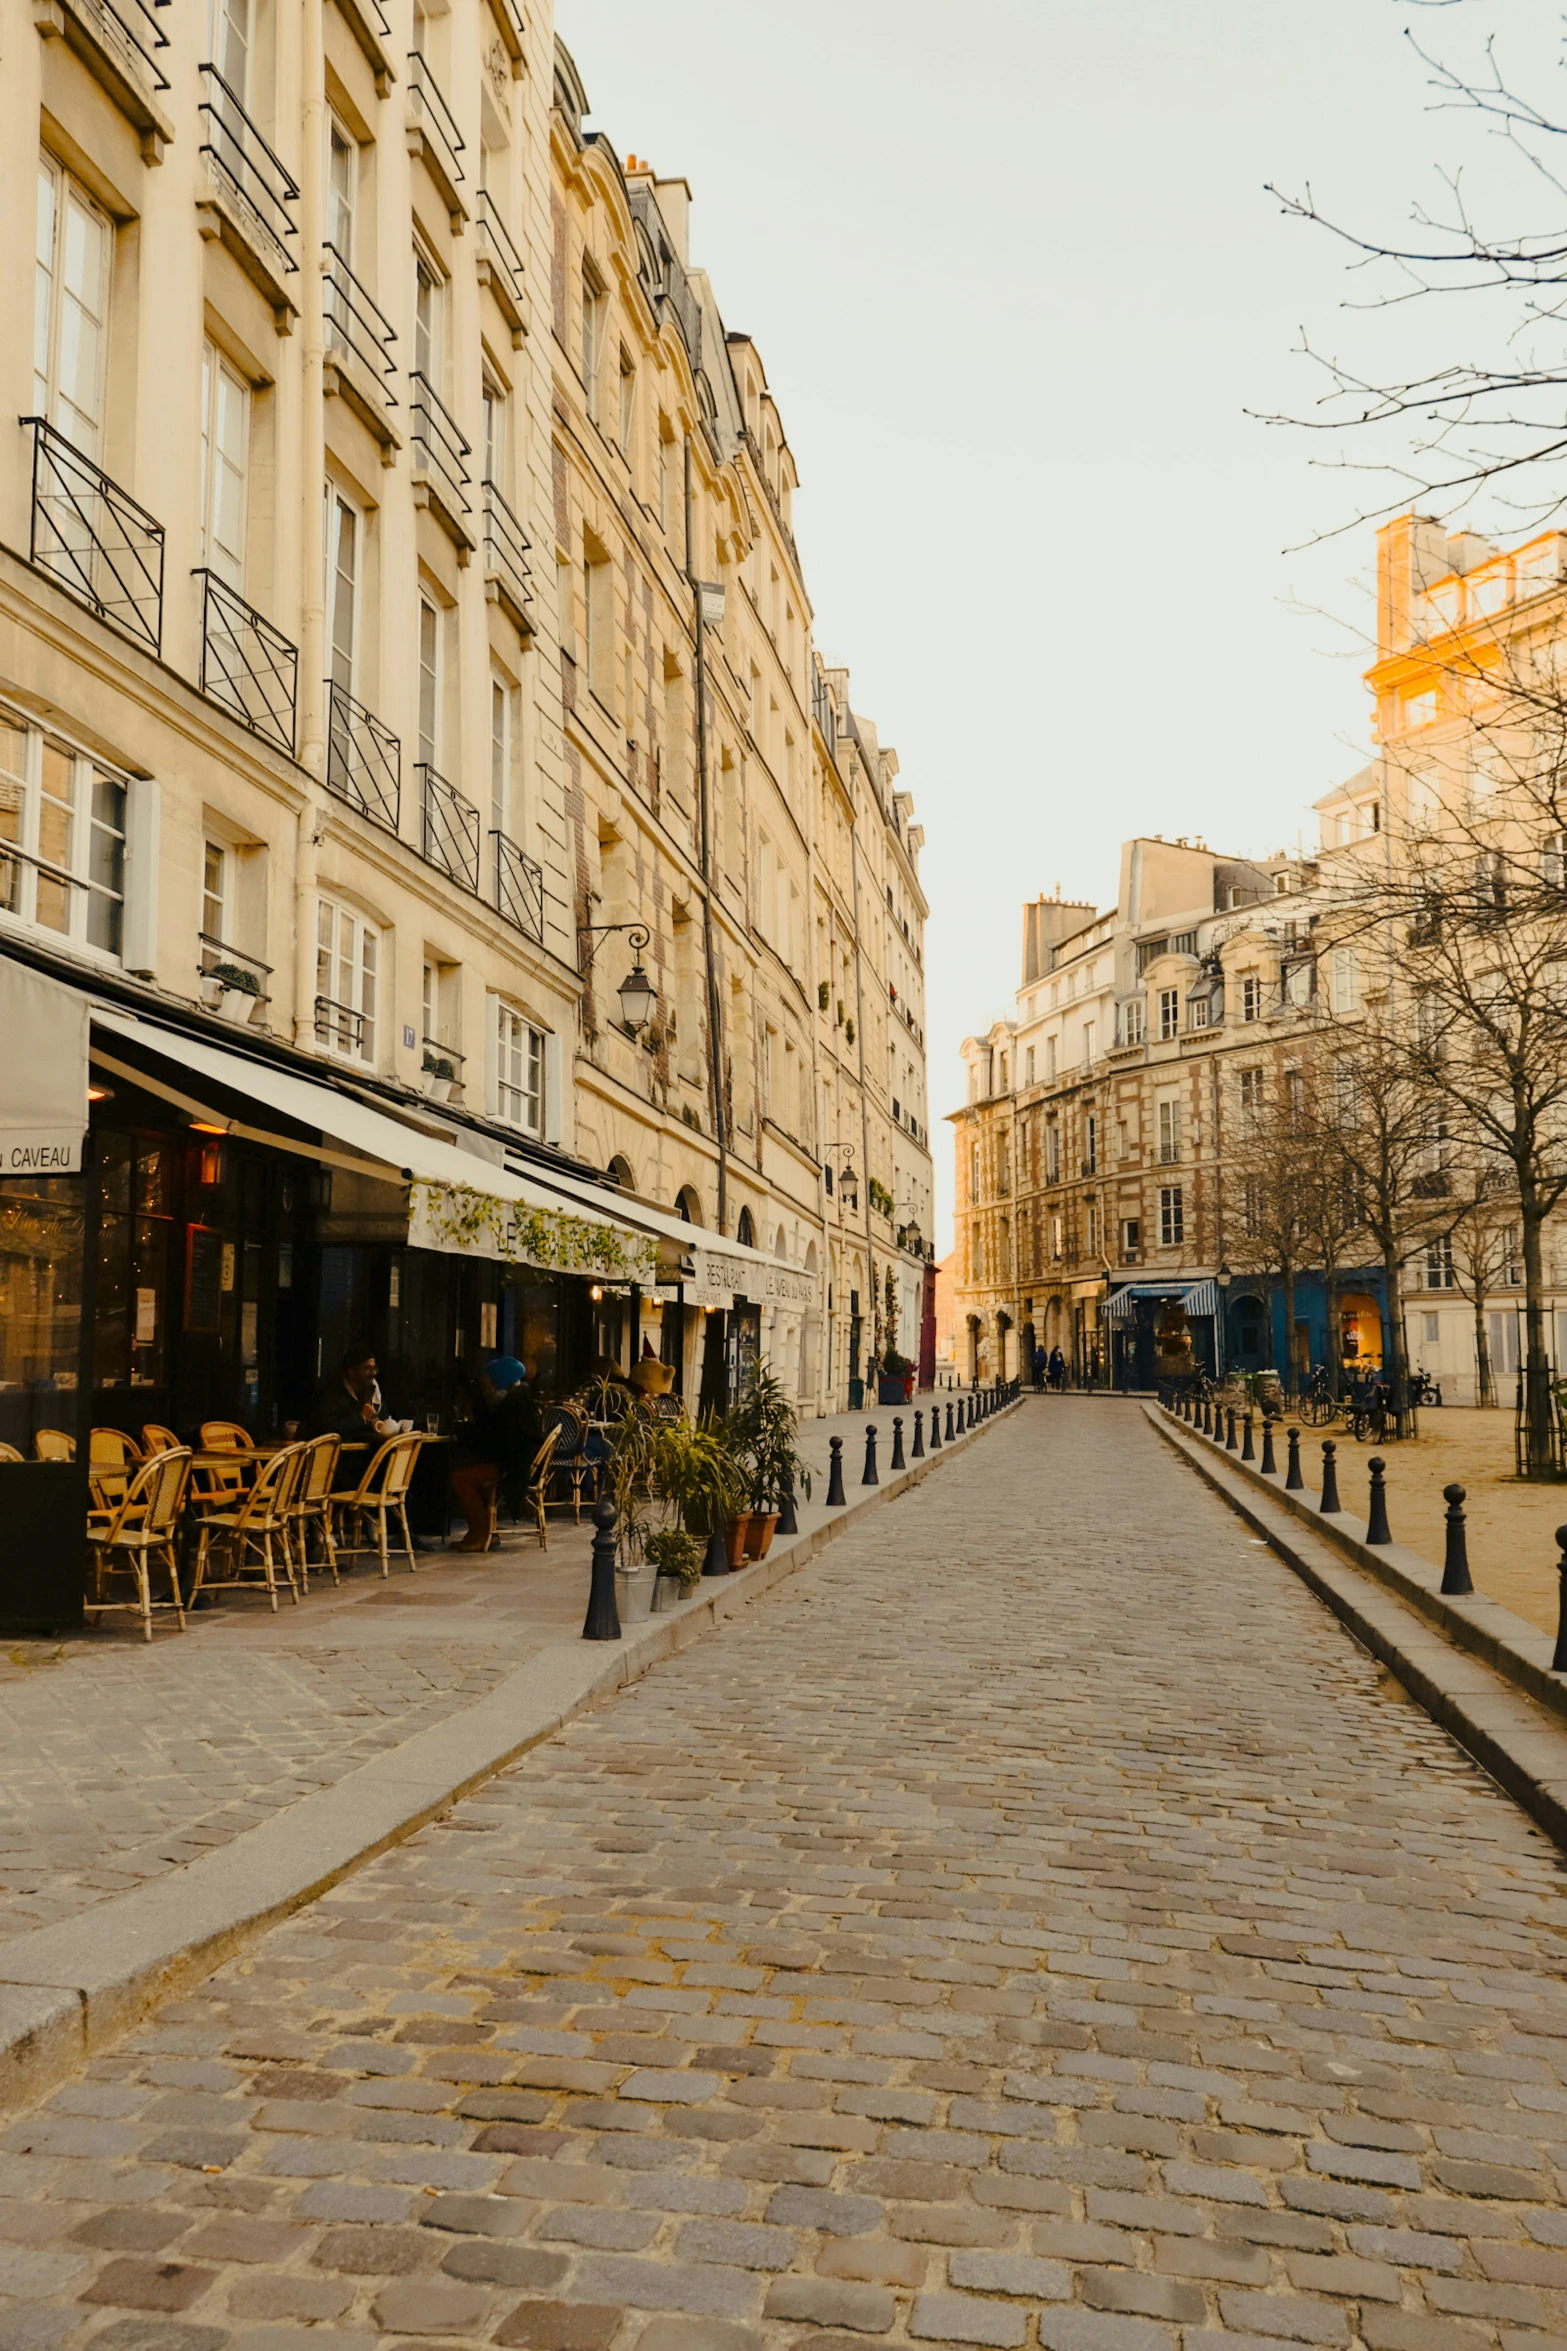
(1268, 1179)
(1477, 1256)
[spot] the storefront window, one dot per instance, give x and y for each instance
(136, 1177)
(40, 1297)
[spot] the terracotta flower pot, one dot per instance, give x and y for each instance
(739, 1536)
(759, 1540)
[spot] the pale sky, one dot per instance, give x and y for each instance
(1015, 278)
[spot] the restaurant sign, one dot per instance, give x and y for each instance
(719, 1277)
(43, 1074)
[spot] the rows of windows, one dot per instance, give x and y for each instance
(62, 838)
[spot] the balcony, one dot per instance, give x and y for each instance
(102, 547)
(500, 268)
(364, 760)
(450, 836)
(247, 666)
(359, 366)
(508, 18)
(440, 464)
(506, 568)
(248, 200)
(119, 42)
(433, 134)
(368, 22)
(340, 1028)
(519, 888)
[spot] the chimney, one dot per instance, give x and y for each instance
(674, 203)
(1411, 553)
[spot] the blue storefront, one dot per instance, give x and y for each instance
(1254, 1335)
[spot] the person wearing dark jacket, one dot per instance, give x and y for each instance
(350, 1406)
(498, 1442)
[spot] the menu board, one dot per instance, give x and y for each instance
(204, 1253)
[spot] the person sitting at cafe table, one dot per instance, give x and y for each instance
(497, 1442)
(350, 1406)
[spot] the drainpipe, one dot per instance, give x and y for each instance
(859, 1023)
(715, 1041)
(312, 616)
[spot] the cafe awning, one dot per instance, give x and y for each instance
(43, 1073)
(1200, 1297)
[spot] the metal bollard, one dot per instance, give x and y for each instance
(1330, 1505)
(870, 1478)
(917, 1449)
(935, 1428)
(602, 1622)
(1294, 1483)
(1456, 1580)
(1377, 1528)
(1559, 1661)
(1229, 1429)
(1186, 1405)
(971, 1408)
(715, 1559)
(1270, 1468)
(950, 1430)
(788, 1524)
(1248, 1450)
(897, 1461)
(836, 1497)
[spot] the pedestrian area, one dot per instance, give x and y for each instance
(1033, 1923)
(119, 1761)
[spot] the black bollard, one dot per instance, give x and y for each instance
(971, 1408)
(1294, 1483)
(1186, 1404)
(917, 1449)
(1455, 1564)
(1377, 1528)
(935, 1428)
(603, 1618)
(1330, 1504)
(788, 1524)
(836, 1497)
(1559, 1661)
(1248, 1450)
(870, 1478)
(1270, 1468)
(1207, 1416)
(951, 1433)
(1229, 1429)
(897, 1461)
(715, 1559)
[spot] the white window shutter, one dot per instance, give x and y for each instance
(492, 1039)
(143, 812)
(554, 1086)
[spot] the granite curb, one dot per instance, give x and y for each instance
(1478, 1670)
(67, 1989)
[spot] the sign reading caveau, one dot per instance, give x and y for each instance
(43, 1074)
(33, 1154)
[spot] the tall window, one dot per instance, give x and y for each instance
(344, 530)
(1345, 979)
(62, 838)
(1028, 1066)
(1439, 1266)
(217, 882)
(495, 435)
(592, 313)
(1134, 1020)
(225, 439)
(342, 188)
(348, 957)
(1091, 1145)
(1251, 1097)
(1050, 1058)
(429, 682)
(628, 401)
(1169, 1012)
(519, 1070)
(1052, 1155)
(1088, 1043)
(973, 1173)
(1169, 1131)
(1251, 997)
(1172, 1217)
(228, 43)
(71, 308)
(427, 321)
(500, 754)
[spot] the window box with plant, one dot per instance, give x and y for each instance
(440, 1074)
(232, 990)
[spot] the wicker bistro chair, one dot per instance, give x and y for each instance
(254, 1529)
(571, 1462)
(535, 1494)
(157, 1439)
(53, 1445)
(144, 1529)
(226, 1436)
(10, 1453)
(311, 1506)
(380, 1494)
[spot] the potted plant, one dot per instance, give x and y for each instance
(764, 1426)
(676, 1558)
(232, 990)
(895, 1380)
(441, 1073)
(701, 1483)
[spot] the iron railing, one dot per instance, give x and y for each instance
(132, 34)
(436, 118)
(339, 1026)
(246, 664)
(501, 250)
(451, 828)
(355, 326)
(364, 759)
(506, 550)
(88, 534)
(245, 165)
(218, 962)
(440, 452)
(519, 888)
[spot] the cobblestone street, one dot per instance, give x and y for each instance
(1033, 1923)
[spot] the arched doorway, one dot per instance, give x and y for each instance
(1360, 1331)
(688, 1204)
(1248, 1332)
(619, 1173)
(745, 1229)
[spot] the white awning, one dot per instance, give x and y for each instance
(43, 1073)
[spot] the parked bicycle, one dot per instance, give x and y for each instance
(1318, 1404)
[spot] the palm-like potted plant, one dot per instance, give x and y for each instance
(764, 1427)
(701, 1481)
(895, 1379)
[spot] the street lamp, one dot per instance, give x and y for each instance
(637, 992)
(1222, 1278)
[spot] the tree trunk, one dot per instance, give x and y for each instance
(1538, 1450)
(1335, 1337)
(1394, 1352)
(1485, 1386)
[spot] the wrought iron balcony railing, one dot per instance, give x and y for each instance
(356, 327)
(91, 536)
(131, 33)
(440, 453)
(519, 888)
(451, 828)
(243, 163)
(497, 247)
(506, 564)
(339, 1027)
(364, 759)
(434, 118)
(246, 664)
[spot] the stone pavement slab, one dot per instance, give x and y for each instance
(1033, 1923)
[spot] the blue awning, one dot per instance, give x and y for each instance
(1197, 1297)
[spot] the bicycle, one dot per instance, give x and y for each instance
(1368, 1416)
(1318, 1406)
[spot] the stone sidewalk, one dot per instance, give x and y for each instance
(119, 1762)
(1033, 1924)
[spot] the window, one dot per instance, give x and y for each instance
(494, 420)
(1169, 1130)
(1251, 997)
(225, 438)
(1295, 1089)
(1431, 1329)
(519, 1070)
(348, 957)
(1091, 1145)
(1050, 1057)
(342, 188)
(1131, 1239)
(1512, 1257)
(428, 291)
(1439, 1266)
(1198, 1007)
(1088, 1043)
(1056, 1249)
(1172, 1219)
(1345, 979)
(429, 683)
(1251, 1096)
(1553, 861)
(1298, 984)
(628, 402)
(592, 312)
(597, 622)
(1134, 1021)
(1184, 943)
(62, 838)
(1091, 1230)
(1052, 1155)
(71, 308)
(1028, 1066)
(665, 444)
(973, 1172)
(500, 754)
(228, 43)
(1169, 1013)
(343, 527)
(215, 872)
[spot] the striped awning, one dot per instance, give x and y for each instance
(1197, 1297)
